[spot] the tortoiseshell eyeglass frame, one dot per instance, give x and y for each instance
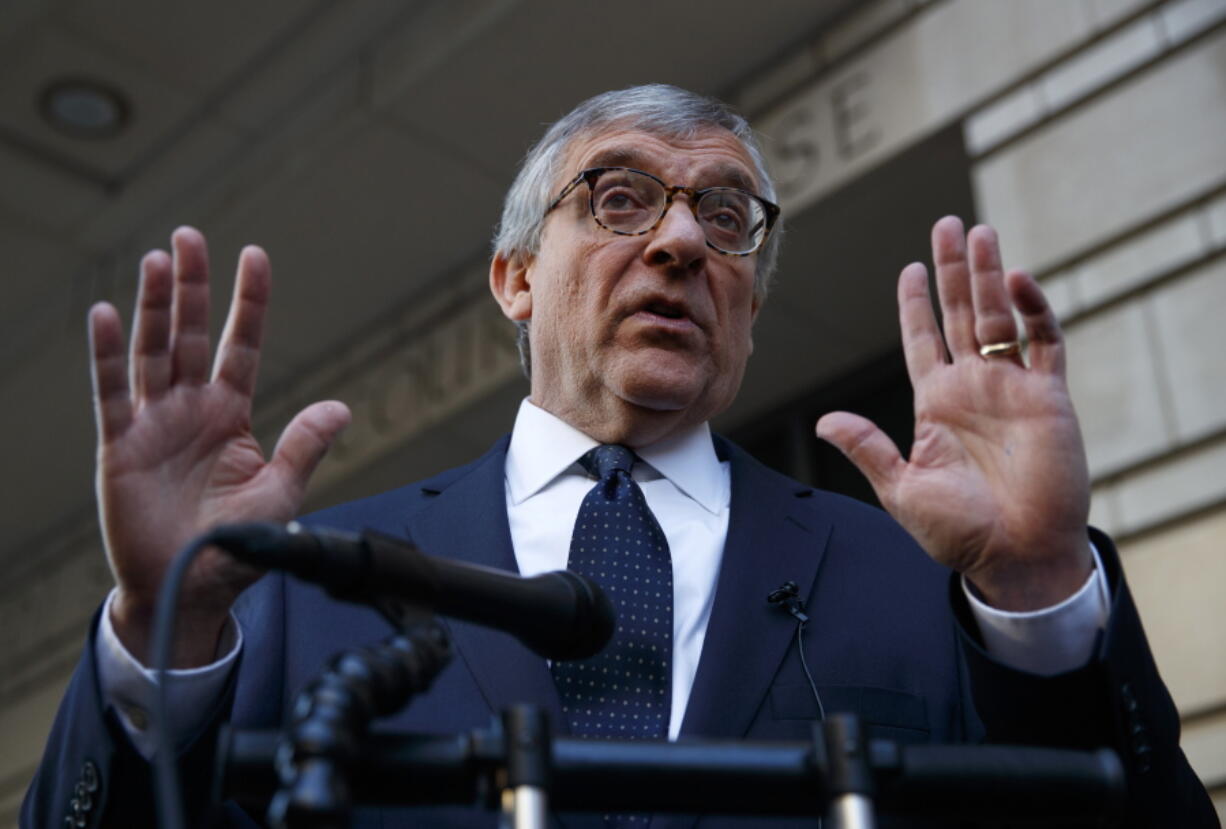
(770, 210)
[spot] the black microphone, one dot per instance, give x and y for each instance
(559, 615)
(787, 596)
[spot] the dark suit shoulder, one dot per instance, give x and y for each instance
(856, 528)
(392, 511)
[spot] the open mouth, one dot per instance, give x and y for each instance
(666, 310)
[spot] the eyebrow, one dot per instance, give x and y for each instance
(721, 175)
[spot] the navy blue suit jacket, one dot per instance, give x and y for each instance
(890, 639)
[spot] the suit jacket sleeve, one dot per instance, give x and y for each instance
(92, 774)
(1117, 700)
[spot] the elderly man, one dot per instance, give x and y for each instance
(634, 254)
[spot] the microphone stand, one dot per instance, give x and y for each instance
(514, 765)
(849, 777)
(525, 803)
(330, 718)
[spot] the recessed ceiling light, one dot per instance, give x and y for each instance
(84, 108)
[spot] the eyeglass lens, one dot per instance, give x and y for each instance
(629, 202)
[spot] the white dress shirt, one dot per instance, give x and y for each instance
(687, 487)
(689, 490)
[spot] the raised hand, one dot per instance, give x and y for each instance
(996, 486)
(176, 454)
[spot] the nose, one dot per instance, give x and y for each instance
(678, 242)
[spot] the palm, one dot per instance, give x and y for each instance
(162, 486)
(978, 444)
(176, 454)
(996, 484)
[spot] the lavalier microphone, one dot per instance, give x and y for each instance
(787, 597)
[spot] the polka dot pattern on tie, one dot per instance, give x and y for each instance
(624, 692)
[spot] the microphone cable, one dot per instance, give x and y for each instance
(165, 772)
(804, 663)
(787, 597)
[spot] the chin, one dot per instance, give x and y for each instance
(665, 380)
(655, 400)
(665, 393)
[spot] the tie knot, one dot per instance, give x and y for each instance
(603, 461)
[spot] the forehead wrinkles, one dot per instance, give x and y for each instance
(660, 154)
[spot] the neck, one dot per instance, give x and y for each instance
(626, 424)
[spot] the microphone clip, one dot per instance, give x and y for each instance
(787, 596)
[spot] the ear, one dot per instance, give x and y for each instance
(511, 285)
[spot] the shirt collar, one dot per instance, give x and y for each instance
(544, 446)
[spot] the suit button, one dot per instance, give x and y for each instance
(1143, 753)
(89, 776)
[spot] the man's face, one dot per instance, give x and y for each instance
(637, 337)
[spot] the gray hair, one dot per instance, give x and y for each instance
(658, 109)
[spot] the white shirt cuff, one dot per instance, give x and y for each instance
(1049, 641)
(130, 688)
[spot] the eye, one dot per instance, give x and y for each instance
(725, 219)
(733, 219)
(727, 211)
(626, 201)
(619, 199)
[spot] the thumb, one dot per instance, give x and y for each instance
(865, 445)
(307, 438)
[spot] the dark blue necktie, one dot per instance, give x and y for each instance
(625, 691)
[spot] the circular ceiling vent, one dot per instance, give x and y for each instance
(84, 108)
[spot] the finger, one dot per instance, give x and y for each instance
(305, 441)
(922, 345)
(954, 286)
(1046, 349)
(866, 446)
(189, 343)
(994, 321)
(109, 373)
(238, 356)
(150, 360)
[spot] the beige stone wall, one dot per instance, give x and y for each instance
(1106, 172)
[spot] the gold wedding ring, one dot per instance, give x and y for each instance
(1012, 348)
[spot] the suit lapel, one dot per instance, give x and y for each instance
(467, 520)
(771, 539)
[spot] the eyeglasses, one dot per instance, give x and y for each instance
(631, 202)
